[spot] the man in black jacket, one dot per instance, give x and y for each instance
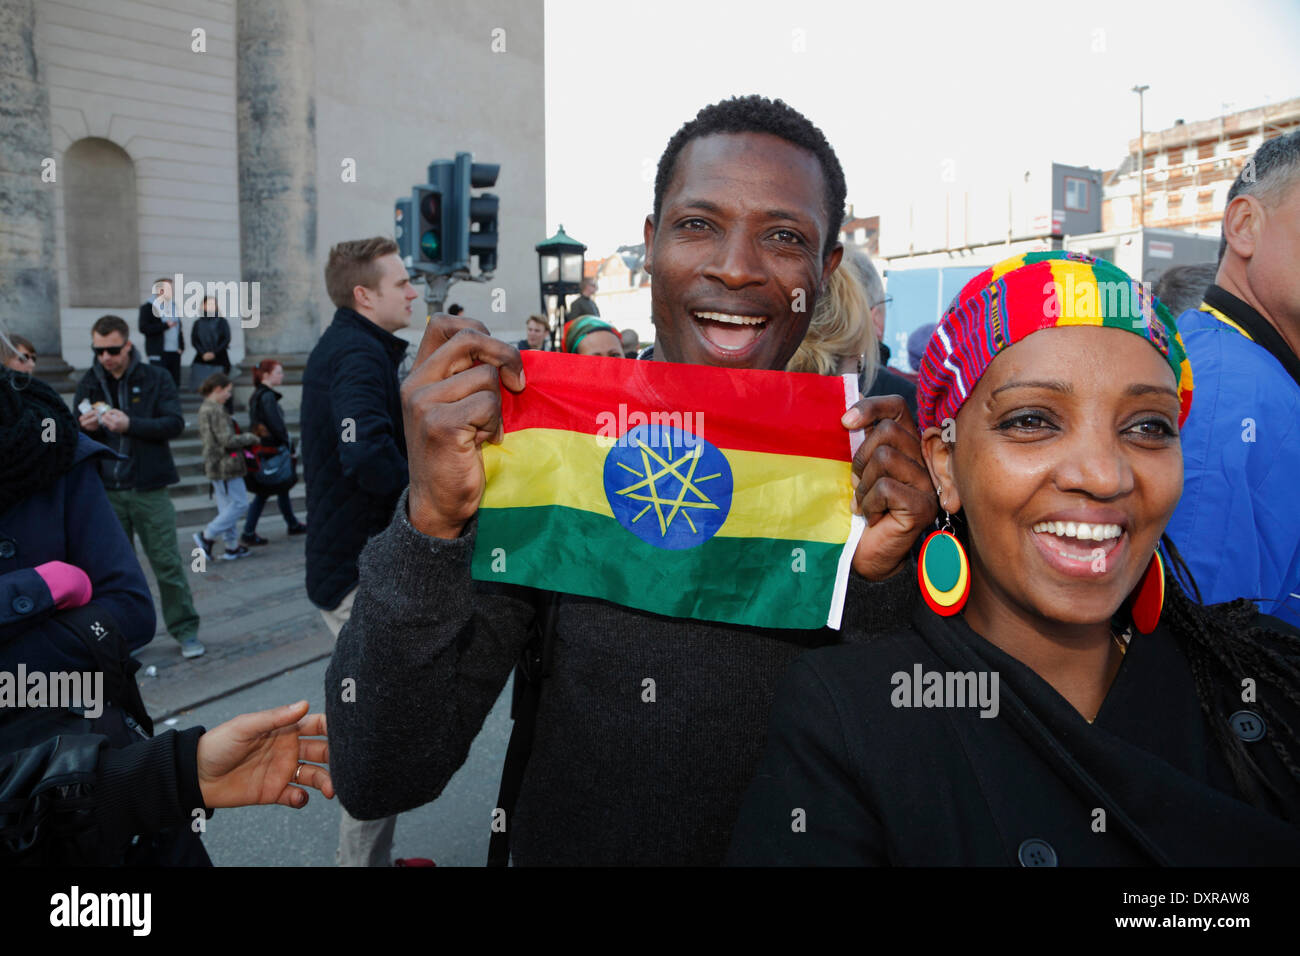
(138, 413)
(584, 304)
(748, 201)
(160, 324)
(354, 449)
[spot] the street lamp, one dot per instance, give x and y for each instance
(559, 272)
(1142, 149)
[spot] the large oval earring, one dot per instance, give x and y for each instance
(1148, 598)
(943, 571)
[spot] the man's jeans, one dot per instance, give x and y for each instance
(361, 842)
(150, 515)
(232, 503)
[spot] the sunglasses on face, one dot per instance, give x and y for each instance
(110, 349)
(27, 357)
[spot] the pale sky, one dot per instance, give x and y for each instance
(902, 90)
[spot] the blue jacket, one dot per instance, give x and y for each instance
(353, 448)
(1237, 525)
(69, 521)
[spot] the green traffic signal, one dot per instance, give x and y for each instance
(430, 245)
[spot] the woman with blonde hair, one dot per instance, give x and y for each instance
(840, 338)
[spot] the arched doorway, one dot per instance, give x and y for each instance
(101, 225)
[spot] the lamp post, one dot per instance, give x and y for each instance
(1142, 149)
(559, 273)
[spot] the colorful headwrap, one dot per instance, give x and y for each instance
(578, 329)
(1028, 293)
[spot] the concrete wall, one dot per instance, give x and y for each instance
(125, 71)
(414, 81)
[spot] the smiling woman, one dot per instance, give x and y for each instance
(1130, 724)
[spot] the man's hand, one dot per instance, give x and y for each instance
(892, 486)
(254, 759)
(116, 420)
(451, 404)
(89, 421)
(207, 356)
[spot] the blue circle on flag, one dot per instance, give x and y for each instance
(669, 487)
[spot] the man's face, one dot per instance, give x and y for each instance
(114, 365)
(388, 305)
(162, 291)
(736, 256)
(536, 333)
(23, 359)
(1271, 270)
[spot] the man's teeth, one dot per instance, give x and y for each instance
(732, 319)
(1079, 531)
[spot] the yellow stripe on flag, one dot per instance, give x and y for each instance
(789, 497)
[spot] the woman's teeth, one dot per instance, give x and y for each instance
(1079, 531)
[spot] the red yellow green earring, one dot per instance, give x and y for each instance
(1148, 598)
(944, 571)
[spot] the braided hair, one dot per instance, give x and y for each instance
(1226, 644)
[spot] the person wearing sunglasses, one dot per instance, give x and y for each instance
(17, 353)
(133, 407)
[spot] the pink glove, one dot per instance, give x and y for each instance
(68, 584)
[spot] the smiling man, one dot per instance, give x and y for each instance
(748, 200)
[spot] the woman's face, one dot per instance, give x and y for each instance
(1070, 426)
(601, 343)
(209, 306)
(275, 376)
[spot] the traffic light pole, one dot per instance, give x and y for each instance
(435, 292)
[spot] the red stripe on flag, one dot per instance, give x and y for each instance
(746, 409)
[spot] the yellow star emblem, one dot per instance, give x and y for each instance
(658, 469)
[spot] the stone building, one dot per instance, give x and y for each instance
(233, 141)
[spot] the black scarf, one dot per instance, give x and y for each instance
(1171, 817)
(31, 411)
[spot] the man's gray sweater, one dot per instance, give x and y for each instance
(614, 777)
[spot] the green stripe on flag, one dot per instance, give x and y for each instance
(762, 582)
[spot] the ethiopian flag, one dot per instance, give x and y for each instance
(684, 490)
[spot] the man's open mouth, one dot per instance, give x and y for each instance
(728, 331)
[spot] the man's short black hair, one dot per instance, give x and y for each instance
(758, 114)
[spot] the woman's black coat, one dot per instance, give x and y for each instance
(851, 777)
(211, 333)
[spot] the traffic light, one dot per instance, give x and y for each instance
(444, 225)
(476, 216)
(402, 230)
(432, 242)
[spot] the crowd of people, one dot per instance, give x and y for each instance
(1077, 590)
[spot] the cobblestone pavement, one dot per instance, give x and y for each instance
(255, 621)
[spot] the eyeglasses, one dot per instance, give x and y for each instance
(110, 349)
(26, 357)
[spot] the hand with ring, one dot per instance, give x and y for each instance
(265, 757)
